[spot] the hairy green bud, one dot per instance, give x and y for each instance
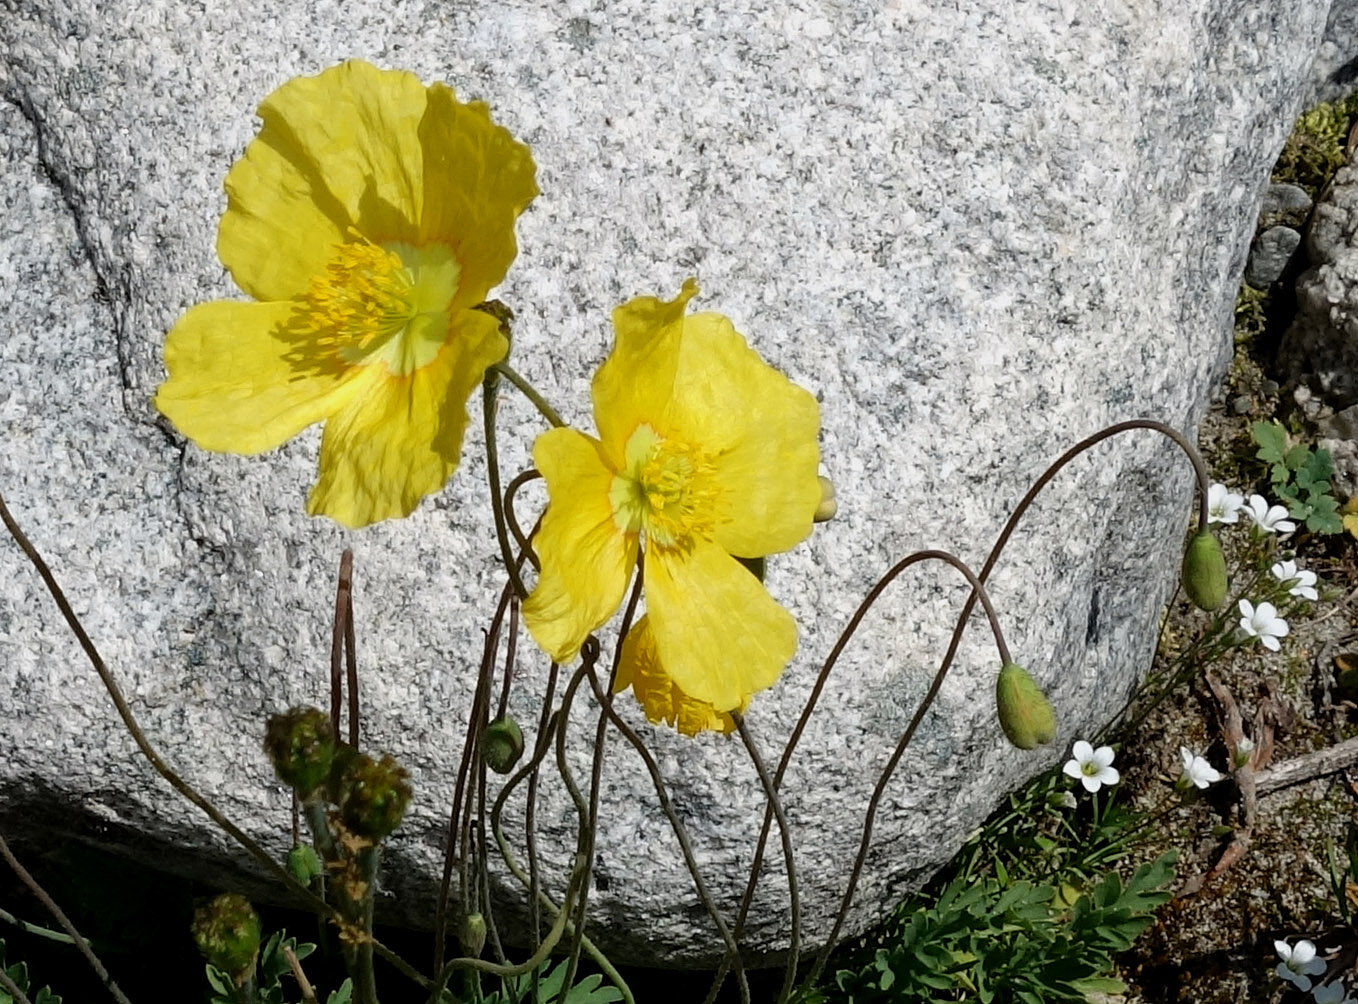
(301, 745)
(227, 932)
(502, 745)
(472, 935)
(1204, 573)
(373, 795)
(304, 864)
(1025, 714)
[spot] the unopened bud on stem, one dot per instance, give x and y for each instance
(829, 504)
(502, 745)
(373, 795)
(301, 745)
(1025, 714)
(227, 932)
(1204, 572)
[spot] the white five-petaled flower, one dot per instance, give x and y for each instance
(1298, 964)
(1298, 581)
(1270, 519)
(1331, 993)
(1197, 771)
(1223, 505)
(1093, 767)
(1263, 622)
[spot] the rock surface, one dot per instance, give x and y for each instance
(1270, 255)
(978, 234)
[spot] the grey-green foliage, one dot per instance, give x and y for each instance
(1300, 477)
(269, 973)
(19, 974)
(550, 987)
(987, 939)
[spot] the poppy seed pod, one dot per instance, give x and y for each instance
(227, 931)
(1204, 572)
(1025, 714)
(502, 745)
(301, 746)
(374, 795)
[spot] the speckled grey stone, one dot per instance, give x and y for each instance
(1321, 346)
(1281, 198)
(977, 231)
(1335, 70)
(1270, 255)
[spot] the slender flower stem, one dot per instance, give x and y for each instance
(35, 929)
(488, 391)
(530, 392)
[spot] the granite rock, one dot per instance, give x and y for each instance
(1334, 72)
(1284, 199)
(977, 232)
(1270, 255)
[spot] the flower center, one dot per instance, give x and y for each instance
(380, 303)
(1090, 769)
(666, 490)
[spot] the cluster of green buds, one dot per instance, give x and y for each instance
(371, 794)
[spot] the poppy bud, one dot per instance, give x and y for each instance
(829, 504)
(227, 932)
(472, 935)
(301, 745)
(502, 745)
(1204, 572)
(1025, 714)
(373, 795)
(304, 864)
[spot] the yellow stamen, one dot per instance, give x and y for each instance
(361, 299)
(667, 490)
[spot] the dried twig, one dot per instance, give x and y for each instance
(1309, 766)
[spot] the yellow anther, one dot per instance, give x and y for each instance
(361, 297)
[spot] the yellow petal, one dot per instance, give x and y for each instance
(239, 382)
(696, 379)
(400, 436)
(586, 560)
(661, 699)
(477, 179)
(335, 151)
(719, 634)
(634, 384)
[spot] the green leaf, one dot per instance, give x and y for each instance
(1297, 458)
(1271, 438)
(343, 994)
(1328, 522)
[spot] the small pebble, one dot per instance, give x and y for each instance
(1284, 199)
(1269, 256)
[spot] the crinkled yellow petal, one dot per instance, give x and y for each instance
(586, 560)
(335, 151)
(695, 378)
(239, 383)
(719, 634)
(399, 437)
(663, 701)
(477, 179)
(635, 383)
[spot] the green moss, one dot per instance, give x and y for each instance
(1316, 148)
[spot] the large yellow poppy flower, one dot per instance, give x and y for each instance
(705, 454)
(367, 218)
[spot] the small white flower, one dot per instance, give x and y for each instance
(1299, 964)
(1093, 767)
(1298, 581)
(1332, 993)
(1243, 750)
(1263, 622)
(1223, 505)
(1197, 771)
(1270, 519)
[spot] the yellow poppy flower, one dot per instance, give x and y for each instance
(663, 701)
(705, 454)
(367, 218)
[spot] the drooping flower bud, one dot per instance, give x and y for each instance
(301, 745)
(1204, 572)
(304, 864)
(1025, 714)
(1243, 751)
(227, 931)
(502, 745)
(472, 935)
(373, 795)
(829, 504)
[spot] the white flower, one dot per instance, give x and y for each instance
(1299, 582)
(1263, 622)
(1092, 766)
(1223, 505)
(1299, 964)
(1332, 993)
(1243, 750)
(1197, 771)
(1270, 519)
